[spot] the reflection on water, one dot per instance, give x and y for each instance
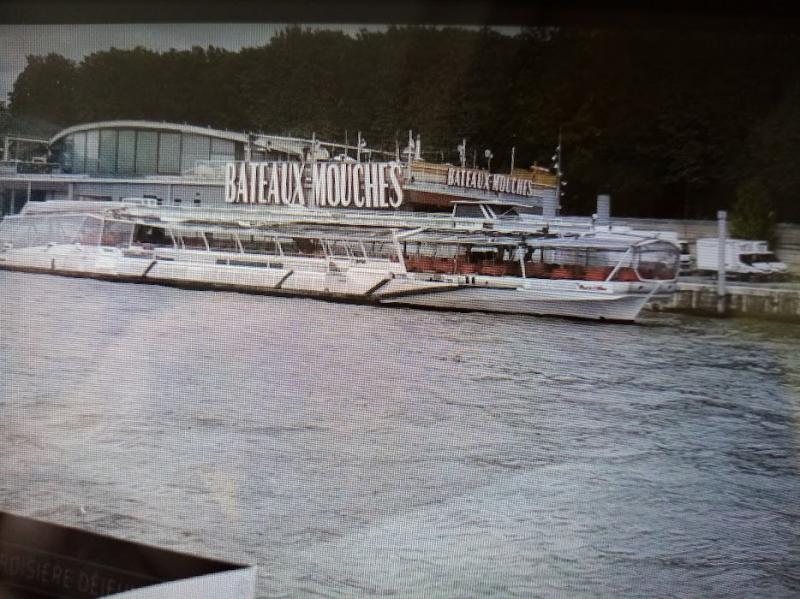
(350, 450)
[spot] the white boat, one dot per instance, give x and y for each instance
(592, 275)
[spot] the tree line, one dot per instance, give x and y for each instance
(670, 123)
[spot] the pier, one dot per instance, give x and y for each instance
(774, 301)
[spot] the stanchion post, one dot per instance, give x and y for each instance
(722, 234)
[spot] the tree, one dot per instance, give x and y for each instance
(46, 89)
(753, 216)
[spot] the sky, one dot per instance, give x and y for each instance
(77, 41)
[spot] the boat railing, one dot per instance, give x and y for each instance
(558, 261)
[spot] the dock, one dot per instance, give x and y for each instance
(772, 301)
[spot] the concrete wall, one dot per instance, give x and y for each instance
(752, 302)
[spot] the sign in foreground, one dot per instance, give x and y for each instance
(325, 184)
(39, 560)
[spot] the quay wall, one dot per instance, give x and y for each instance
(761, 301)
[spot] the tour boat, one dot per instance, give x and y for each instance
(433, 263)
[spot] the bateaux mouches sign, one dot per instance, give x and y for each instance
(332, 184)
(483, 181)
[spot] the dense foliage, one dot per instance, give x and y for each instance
(753, 216)
(670, 123)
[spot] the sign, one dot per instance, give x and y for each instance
(39, 559)
(325, 184)
(483, 181)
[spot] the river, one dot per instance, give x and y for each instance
(359, 451)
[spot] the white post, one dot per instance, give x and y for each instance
(511, 172)
(418, 148)
(358, 151)
(722, 235)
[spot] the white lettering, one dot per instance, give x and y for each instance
(252, 170)
(372, 185)
(345, 184)
(319, 183)
(230, 182)
(358, 199)
(284, 172)
(297, 175)
(368, 185)
(396, 198)
(241, 192)
(273, 193)
(261, 198)
(382, 186)
(334, 175)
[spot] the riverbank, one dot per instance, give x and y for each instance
(773, 301)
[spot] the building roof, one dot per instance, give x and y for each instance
(162, 126)
(274, 143)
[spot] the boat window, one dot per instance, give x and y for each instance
(658, 260)
(345, 249)
(155, 236)
(225, 242)
(117, 233)
(259, 244)
(33, 231)
(288, 247)
(90, 232)
(191, 241)
(509, 213)
(598, 257)
(381, 249)
(468, 211)
(306, 247)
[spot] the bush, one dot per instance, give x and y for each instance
(752, 216)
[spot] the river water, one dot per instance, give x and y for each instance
(360, 451)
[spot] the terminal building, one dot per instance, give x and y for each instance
(183, 166)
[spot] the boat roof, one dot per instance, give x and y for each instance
(449, 231)
(502, 203)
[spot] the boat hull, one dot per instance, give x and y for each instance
(620, 308)
(362, 285)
